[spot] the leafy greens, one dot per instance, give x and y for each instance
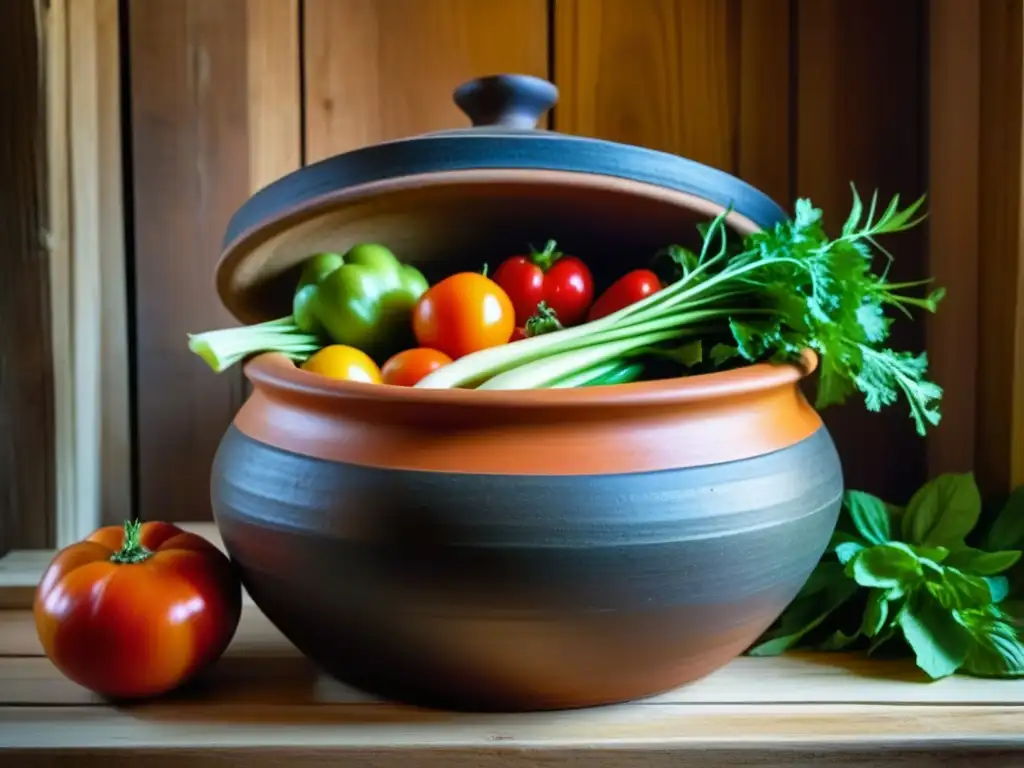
(908, 579)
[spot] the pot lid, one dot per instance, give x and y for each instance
(437, 195)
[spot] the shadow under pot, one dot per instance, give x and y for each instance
(525, 549)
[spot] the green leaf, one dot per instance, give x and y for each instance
(999, 587)
(997, 650)
(942, 512)
(838, 641)
(847, 550)
(856, 212)
(885, 566)
(1007, 531)
(983, 563)
(956, 590)
(934, 554)
(721, 353)
(869, 515)
(940, 643)
(817, 600)
(875, 613)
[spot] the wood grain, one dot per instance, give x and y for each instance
(663, 74)
(859, 119)
(1000, 404)
(265, 704)
(26, 366)
(766, 98)
(954, 133)
(99, 434)
(378, 70)
(274, 90)
(190, 157)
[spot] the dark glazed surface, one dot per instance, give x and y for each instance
(523, 592)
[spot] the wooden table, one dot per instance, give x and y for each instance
(265, 705)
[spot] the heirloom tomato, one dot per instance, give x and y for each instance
(134, 612)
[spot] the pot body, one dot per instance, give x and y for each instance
(494, 558)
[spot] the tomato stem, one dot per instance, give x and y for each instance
(544, 259)
(544, 320)
(132, 550)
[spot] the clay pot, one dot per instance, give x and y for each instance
(513, 550)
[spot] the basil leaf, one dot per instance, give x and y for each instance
(885, 566)
(934, 554)
(1007, 531)
(848, 550)
(998, 587)
(888, 631)
(983, 563)
(956, 590)
(942, 512)
(802, 616)
(869, 515)
(940, 643)
(875, 613)
(838, 641)
(997, 650)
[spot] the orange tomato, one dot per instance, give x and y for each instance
(136, 611)
(462, 314)
(339, 361)
(409, 366)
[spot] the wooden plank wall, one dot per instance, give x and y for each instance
(26, 365)
(800, 97)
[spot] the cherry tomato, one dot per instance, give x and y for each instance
(339, 361)
(462, 314)
(628, 289)
(563, 282)
(136, 611)
(409, 366)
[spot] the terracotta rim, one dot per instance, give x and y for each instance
(276, 372)
(239, 250)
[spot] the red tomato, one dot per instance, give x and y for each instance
(518, 334)
(564, 282)
(628, 289)
(409, 366)
(136, 611)
(462, 314)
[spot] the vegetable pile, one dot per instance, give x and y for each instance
(540, 322)
(926, 577)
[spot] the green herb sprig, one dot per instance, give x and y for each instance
(768, 296)
(907, 579)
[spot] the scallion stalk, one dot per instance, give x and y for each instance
(546, 371)
(225, 347)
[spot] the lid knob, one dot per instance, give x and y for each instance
(510, 101)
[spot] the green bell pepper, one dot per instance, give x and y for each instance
(367, 302)
(314, 270)
(363, 299)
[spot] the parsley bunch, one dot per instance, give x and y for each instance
(907, 578)
(791, 287)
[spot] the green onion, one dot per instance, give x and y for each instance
(222, 348)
